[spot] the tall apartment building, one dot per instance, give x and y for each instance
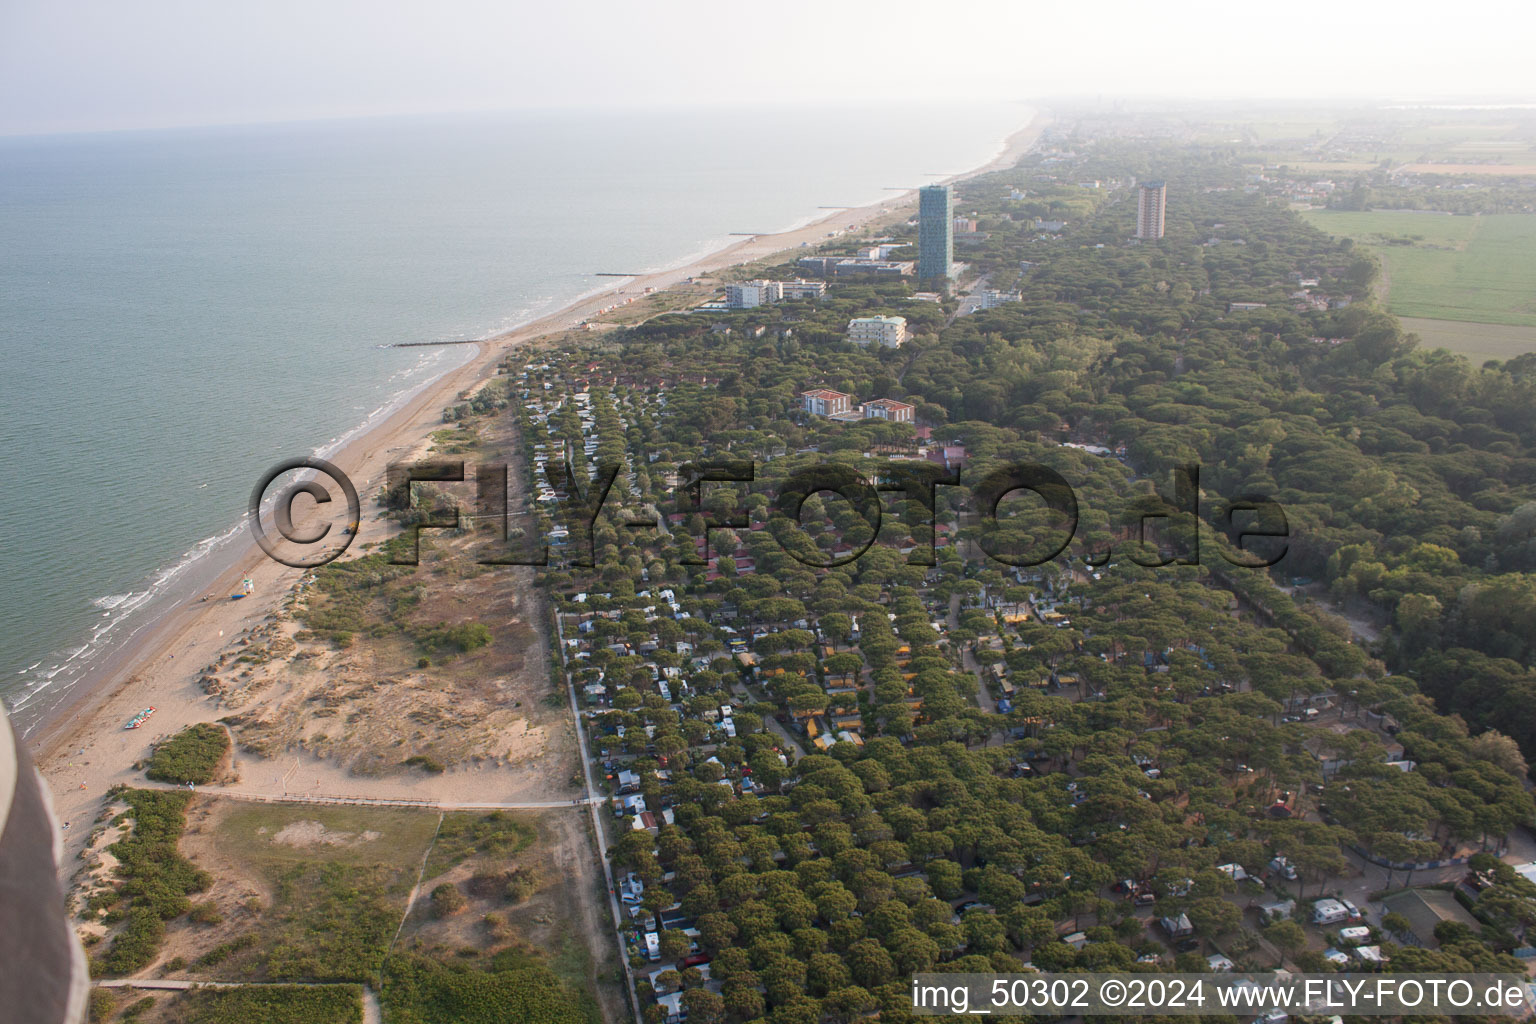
(889, 331)
(935, 232)
(1151, 205)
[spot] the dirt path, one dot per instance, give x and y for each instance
(366, 801)
(372, 1013)
(410, 900)
(574, 848)
(589, 908)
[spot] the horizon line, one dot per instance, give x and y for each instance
(1379, 101)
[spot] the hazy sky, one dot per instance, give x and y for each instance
(102, 64)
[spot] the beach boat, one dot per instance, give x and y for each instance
(140, 718)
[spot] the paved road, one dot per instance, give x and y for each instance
(772, 724)
(1521, 849)
(984, 698)
(970, 302)
(968, 662)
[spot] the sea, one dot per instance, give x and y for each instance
(182, 309)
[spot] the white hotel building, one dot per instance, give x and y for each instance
(751, 294)
(888, 331)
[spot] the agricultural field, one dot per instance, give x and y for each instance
(1478, 342)
(1363, 140)
(1479, 147)
(1440, 267)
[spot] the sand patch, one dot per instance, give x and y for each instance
(312, 833)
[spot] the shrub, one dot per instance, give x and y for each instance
(425, 763)
(418, 991)
(218, 954)
(447, 900)
(205, 913)
(137, 944)
(344, 591)
(157, 878)
(273, 1004)
(192, 755)
(470, 636)
(333, 923)
(464, 834)
(521, 885)
(463, 638)
(101, 899)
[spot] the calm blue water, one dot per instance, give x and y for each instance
(179, 310)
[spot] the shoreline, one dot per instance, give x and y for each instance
(161, 663)
(168, 587)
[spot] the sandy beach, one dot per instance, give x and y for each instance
(83, 749)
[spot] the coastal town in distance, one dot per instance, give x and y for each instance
(829, 514)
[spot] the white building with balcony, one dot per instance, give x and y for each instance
(886, 331)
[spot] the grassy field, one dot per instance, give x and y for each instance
(277, 835)
(1478, 342)
(339, 878)
(1461, 133)
(1341, 142)
(1474, 269)
(508, 899)
(521, 889)
(464, 834)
